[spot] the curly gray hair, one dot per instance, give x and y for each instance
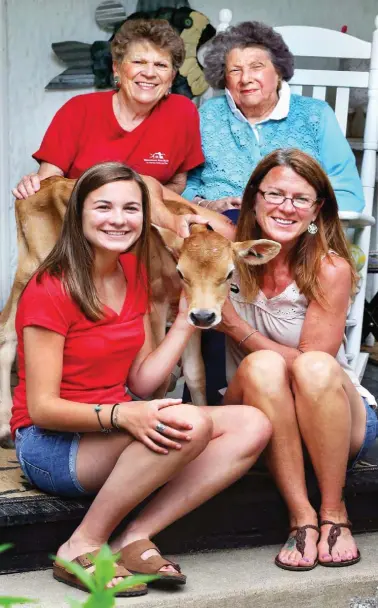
(241, 36)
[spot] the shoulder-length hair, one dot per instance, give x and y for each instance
(71, 259)
(306, 257)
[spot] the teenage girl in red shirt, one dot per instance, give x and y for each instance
(83, 329)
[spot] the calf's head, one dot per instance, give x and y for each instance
(205, 264)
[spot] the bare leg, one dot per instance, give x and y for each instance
(8, 344)
(125, 472)
(326, 418)
(263, 381)
(7, 356)
(239, 436)
(194, 369)
(158, 320)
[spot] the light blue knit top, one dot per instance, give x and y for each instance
(232, 150)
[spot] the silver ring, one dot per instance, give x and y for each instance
(160, 427)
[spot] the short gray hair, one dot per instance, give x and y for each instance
(241, 36)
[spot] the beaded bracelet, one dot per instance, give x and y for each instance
(97, 409)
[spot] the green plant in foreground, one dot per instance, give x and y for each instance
(12, 601)
(100, 595)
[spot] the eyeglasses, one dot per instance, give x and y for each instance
(299, 202)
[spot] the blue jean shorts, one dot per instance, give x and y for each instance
(371, 434)
(48, 460)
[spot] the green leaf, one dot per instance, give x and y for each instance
(5, 547)
(101, 599)
(105, 567)
(81, 573)
(105, 553)
(136, 579)
(10, 601)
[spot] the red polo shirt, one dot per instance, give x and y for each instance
(85, 131)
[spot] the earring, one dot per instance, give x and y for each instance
(167, 93)
(312, 228)
(117, 81)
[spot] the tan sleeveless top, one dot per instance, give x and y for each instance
(279, 318)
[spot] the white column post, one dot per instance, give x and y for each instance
(5, 197)
(368, 170)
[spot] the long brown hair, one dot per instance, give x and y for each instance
(306, 257)
(71, 259)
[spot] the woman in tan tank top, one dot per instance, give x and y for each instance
(285, 324)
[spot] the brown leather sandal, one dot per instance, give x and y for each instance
(86, 561)
(333, 535)
(131, 558)
(300, 545)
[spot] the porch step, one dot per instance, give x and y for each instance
(249, 513)
(240, 578)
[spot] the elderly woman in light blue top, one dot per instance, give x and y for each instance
(258, 114)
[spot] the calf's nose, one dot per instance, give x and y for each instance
(202, 318)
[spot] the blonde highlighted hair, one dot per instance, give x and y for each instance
(306, 257)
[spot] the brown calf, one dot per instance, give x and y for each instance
(204, 263)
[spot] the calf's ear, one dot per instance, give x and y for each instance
(256, 252)
(171, 240)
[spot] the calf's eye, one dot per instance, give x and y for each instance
(229, 276)
(180, 273)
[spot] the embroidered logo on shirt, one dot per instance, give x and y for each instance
(157, 158)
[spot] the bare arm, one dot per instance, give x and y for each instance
(162, 217)
(153, 365)
(177, 183)
(44, 364)
(30, 184)
(323, 328)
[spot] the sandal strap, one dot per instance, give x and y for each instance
(300, 536)
(121, 571)
(131, 557)
(334, 531)
(328, 522)
(86, 561)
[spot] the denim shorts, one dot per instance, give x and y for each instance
(48, 460)
(371, 434)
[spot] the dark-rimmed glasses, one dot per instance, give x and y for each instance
(275, 198)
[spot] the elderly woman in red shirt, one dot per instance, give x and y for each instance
(141, 124)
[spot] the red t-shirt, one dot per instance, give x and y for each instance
(97, 355)
(85, 131)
